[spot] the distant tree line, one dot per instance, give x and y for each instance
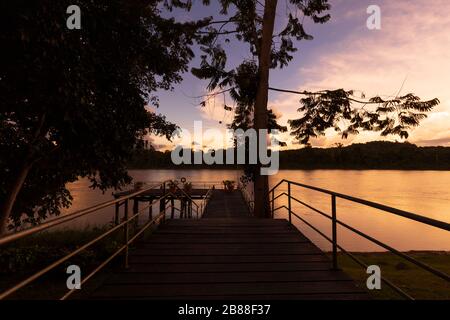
(371, 155)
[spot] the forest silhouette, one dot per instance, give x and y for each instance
(371, 155)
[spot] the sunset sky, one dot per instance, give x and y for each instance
(411, 52)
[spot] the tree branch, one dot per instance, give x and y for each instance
(308, 93)
(217, 33)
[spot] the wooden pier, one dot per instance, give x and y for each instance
(228, 255)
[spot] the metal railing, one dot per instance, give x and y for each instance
(124, 225)
(196, 184)
(335, 222)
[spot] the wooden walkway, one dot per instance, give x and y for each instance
(228, 255)
(226, 205)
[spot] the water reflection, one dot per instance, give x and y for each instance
(423, 192)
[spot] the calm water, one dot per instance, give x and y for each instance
(423, 192)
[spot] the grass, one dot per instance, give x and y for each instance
(418, 283)
(25, 257)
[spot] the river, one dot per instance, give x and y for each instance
(426, 193)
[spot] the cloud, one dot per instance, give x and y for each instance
(413, 48)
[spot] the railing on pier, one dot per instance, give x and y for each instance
(335, 222)
(124, 225)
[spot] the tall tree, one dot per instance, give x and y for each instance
(248, 85)
(73, 101)
(261, 183)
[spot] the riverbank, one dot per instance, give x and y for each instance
(413, 280)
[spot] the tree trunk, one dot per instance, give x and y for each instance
(261, 183)
(11, 195)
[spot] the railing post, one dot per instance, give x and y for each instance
(135, 211)
(273, 203)
(150, 210)
(289, 202)
(135, 206)
(182, 206)
(116, 215)
(334, 231)
(172, 208)
(126, 233)
(162, 200)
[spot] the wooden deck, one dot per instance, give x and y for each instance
(226, 205)
(228, 255)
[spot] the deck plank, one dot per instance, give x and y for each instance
(152, 259)
(214, 277)
(226, 205)
(231, 288)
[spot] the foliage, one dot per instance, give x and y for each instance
(40, 250)
(228, 185)
(371, 155)
(173, 185)
(319, 110)
(333, 109)
(187, 186)
(242, 82)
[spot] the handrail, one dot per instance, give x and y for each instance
(148, 224)
(124, 224)
(333, 217)
(188, 196)
(78, 250)
(381, 244)
(406, 214)
(386, 281)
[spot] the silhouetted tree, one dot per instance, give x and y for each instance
(248, 83)
(72, 101)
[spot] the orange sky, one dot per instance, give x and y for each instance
(412, 48)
